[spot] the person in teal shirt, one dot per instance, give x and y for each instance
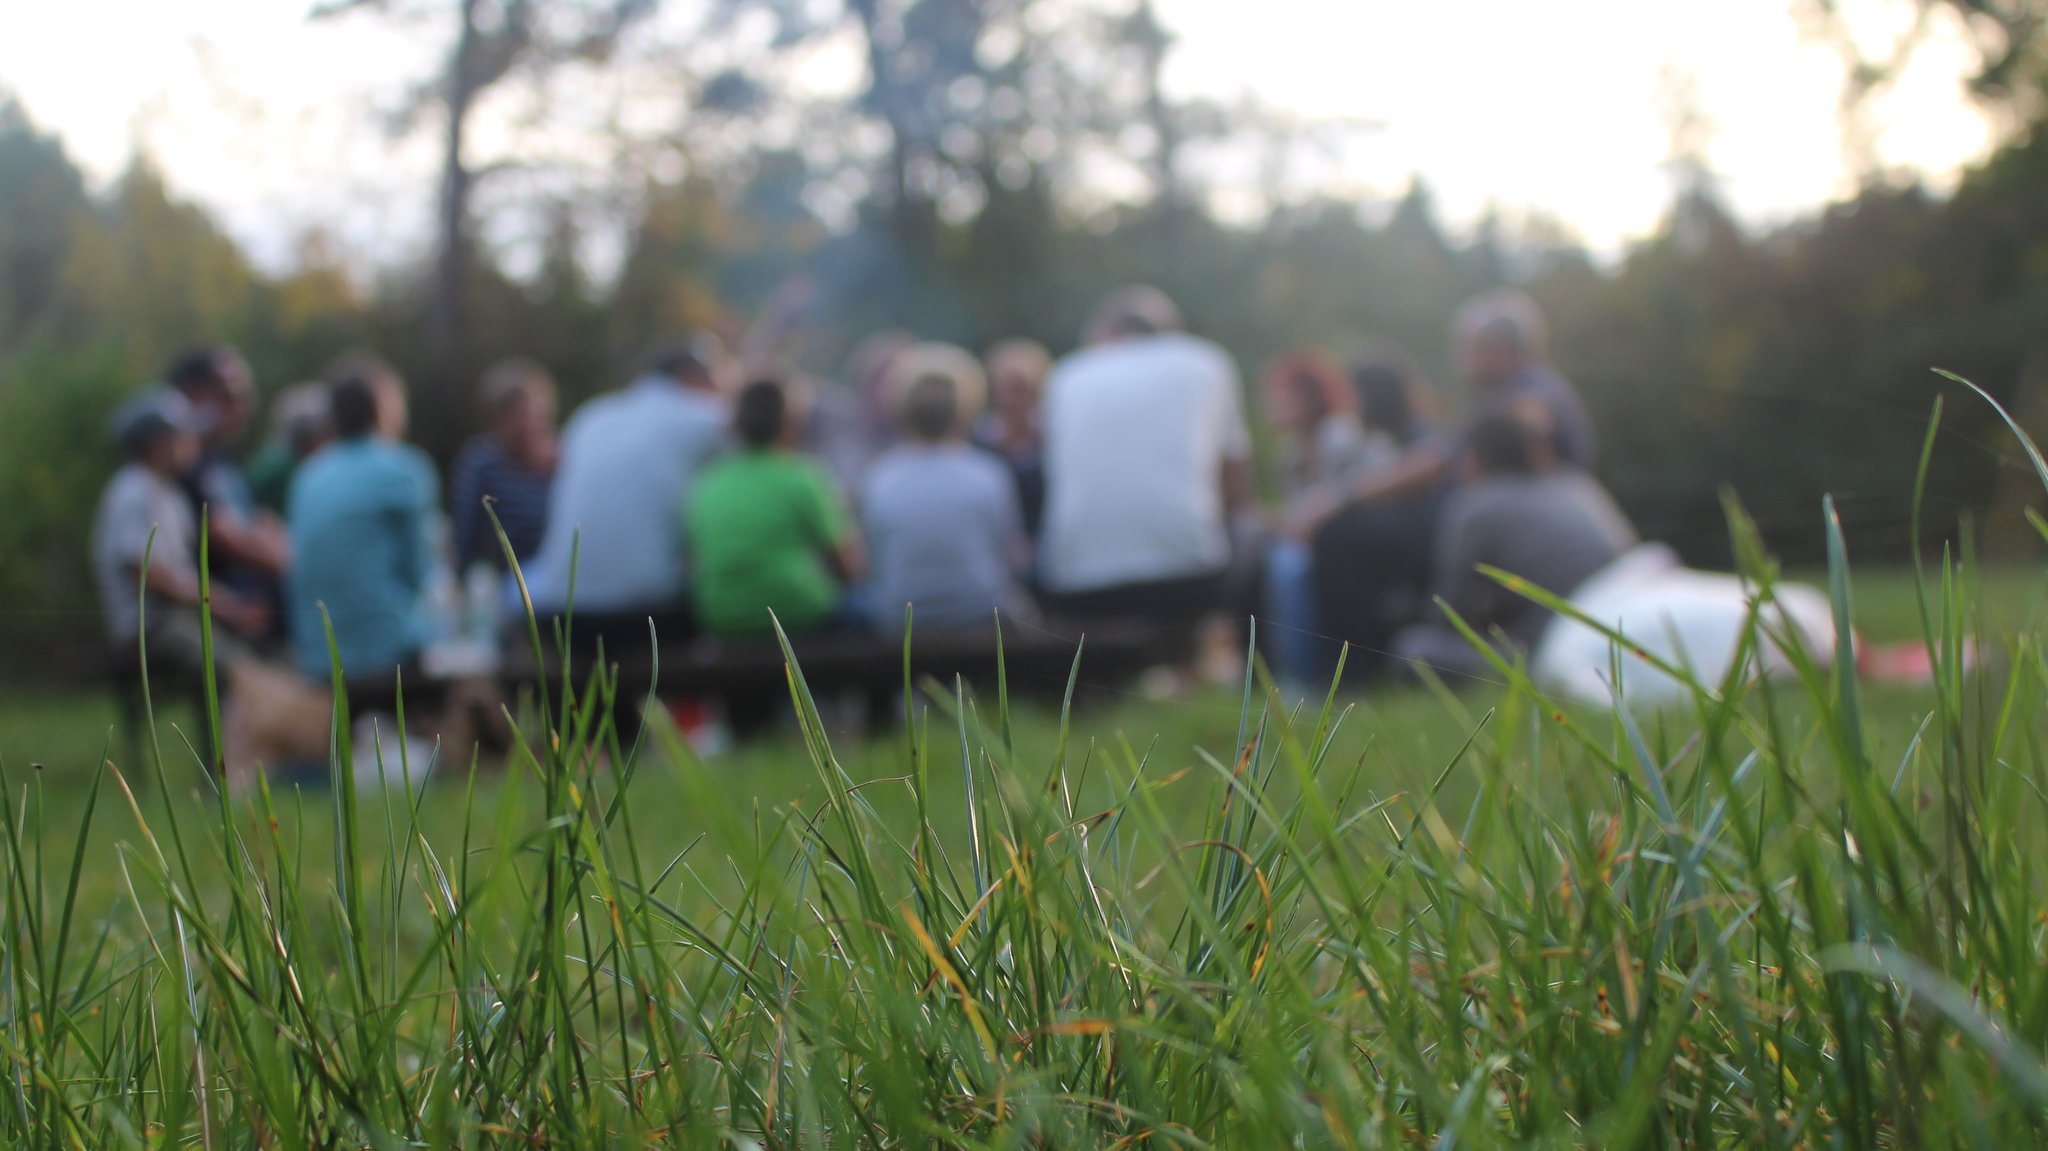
(359, 517)
(767, 528)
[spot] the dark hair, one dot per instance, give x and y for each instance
(1386, 383)
(352, 407)
(931, 407)
(759, 412)
(1503, 440)
(689, 356)
(196, 368)
(352, 385)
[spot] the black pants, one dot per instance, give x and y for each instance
(627, 642)
(1373, 563)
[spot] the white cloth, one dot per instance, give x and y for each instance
(1691, 620)
(136, 502)
(628, 458)
(1136, 435)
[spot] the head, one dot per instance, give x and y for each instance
(1392, 395)
(695, 360)
(768, 415)
(1303, 388)
(216, 382)
(1512, 440)
(1016, 379)
(366, 397)
(938, 391)
(160, 431)
(518, 399)
(1133, 313)
(299, 418)
(1499, 335)
(871, 372)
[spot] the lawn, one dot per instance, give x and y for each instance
(1802, 916)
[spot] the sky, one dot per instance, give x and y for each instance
(1552, 108)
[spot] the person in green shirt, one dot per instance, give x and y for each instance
(767, 528)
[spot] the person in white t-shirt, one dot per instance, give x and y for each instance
(1146, 457)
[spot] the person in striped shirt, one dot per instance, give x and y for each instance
(512, 465)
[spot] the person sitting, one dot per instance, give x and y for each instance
(512, 465)
(1146, 458)
(360, 516)
(144, 514)
(767, 528)
(1522, 512)
(1012, 429)
(1372, 538)
(944, 528)
(1323, 445)
(246, 544)
(628, 460)
(851, 424)
(298, 428)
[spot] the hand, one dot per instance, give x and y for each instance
(247, 617)
(1309, 513)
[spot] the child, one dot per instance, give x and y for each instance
(942, 517)
(767, 530)
(159, 435)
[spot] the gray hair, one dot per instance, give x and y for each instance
(1504, 317)
(1136, 310)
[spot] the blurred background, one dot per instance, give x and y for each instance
(1756, 225)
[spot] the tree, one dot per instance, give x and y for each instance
(494, 41)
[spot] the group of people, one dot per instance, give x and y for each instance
(712, 499)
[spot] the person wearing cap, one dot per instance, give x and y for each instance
(361, 514)
(944, 526)
(145, 544)
(512, 465)
(628, 461)
(1147, 457)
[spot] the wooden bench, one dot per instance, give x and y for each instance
(748, 675)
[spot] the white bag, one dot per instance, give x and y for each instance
(1691, 620)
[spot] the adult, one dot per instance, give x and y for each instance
(945, 530)
(1146, 458)
(628, 460)
(361, 516)
(1321, 445)
(1013, 429)
(512, 465)
(768, 529)
(848, 426)
(145, 544)
(298, 427)
(245, 544)
(1521, 512)
(1372, 539)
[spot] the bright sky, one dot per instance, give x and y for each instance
(1552, 107)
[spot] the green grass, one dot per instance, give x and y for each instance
(1801, 914)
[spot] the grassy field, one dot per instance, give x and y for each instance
(1802, 915)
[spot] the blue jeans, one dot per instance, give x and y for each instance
(1294, 648)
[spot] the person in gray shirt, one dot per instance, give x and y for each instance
(944, 526)
(1521, 511)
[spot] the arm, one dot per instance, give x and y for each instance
(465, 507)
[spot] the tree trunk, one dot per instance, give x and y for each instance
(448, 307)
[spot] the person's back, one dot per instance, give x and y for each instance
(359, 517)
(942, 517)
(1555, 530)
(762, 526)
(627, 461)
(1137, 434)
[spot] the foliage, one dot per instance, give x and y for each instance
(1748, 923)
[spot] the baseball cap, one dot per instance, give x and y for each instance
(143, 420)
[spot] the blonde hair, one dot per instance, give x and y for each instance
(937, 389)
